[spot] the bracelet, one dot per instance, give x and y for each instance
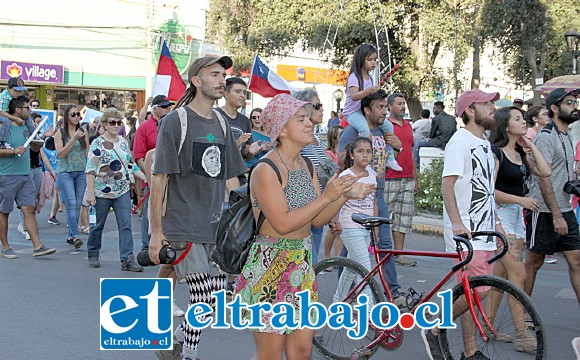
(401, 149)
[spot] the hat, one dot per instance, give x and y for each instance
(17, 84)
(278, 111)
(161, 100)
(472, 96)
(557, 95)
(518, 101)
(202, 62)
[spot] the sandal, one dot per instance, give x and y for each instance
(85, 229)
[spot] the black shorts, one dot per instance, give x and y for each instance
(541, 237)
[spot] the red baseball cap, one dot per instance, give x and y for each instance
(472, 96)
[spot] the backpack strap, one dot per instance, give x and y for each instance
(183, 122)
(308, 164)
(222, 122)
(261, 216)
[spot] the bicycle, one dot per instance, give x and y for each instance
(335, 344)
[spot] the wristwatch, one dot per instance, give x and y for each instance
(401, 149)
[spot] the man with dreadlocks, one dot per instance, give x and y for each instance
(191, 173)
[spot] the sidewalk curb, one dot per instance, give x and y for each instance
(428, 229)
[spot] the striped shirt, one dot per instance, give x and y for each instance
(309, 150)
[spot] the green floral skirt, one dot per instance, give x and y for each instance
(276, 269)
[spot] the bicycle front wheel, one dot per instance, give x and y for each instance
(335, 344)
(518, 329)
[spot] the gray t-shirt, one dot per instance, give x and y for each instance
(196, 184)
(550, 146)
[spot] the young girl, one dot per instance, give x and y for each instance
(333, 234)
(355, 237)
(359, 85)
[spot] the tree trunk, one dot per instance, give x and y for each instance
(537, 72)
(475, 76)
(415, 107)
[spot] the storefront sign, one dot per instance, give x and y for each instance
(42, 73)
(180, 42)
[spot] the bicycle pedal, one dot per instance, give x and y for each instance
(361, 353)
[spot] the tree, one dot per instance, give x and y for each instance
(530, 34)
(418, 31)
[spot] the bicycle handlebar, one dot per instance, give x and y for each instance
(463, 239)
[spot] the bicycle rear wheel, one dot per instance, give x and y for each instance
(517, 323)
(335, 344)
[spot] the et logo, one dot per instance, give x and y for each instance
(136, 314)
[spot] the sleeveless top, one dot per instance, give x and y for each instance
(76, 160)
(299, 190)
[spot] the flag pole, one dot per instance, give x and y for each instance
(252, 70)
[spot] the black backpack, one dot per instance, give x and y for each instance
(235, 229)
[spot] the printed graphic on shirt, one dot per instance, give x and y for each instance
(379, 163)
(208, 159)
(481, 210)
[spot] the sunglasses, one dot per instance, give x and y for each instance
(118, 123)
(164, 106)
(255, 117)
(24, 107)
(77, 114)
(317, 106)
(34, 106)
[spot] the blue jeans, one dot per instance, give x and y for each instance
(72, 189)
(385, 242)
(424, 143)
(122, 208)
(145, 237)
(316, 240)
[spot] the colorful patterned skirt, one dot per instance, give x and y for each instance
(276, 269)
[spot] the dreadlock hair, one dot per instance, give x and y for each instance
(188, 96)
(348, 159)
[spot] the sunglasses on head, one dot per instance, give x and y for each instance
(113, 122)
(317, 106)
(75, 114)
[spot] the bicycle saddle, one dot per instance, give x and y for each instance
(370, 221)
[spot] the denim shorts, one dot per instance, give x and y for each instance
(511, 217)
(16, 188)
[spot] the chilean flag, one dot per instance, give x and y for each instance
(267, 83)
(168, 81)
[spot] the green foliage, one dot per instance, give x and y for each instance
(428, 198)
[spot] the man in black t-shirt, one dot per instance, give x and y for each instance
(241, 127)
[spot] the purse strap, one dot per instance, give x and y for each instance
(121, 160)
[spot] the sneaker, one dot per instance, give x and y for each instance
(549, 259)
(77, 243)
(9, 254)
(394, 165)
(130, 265)
(20, 229)
(43, 250)
(400, 300)
(53, 221)
(177, 311)
(171, 354)
(432, 346)
(94, 262)
(404, 261)
(576, 346)
(525, 341)
(477, 356)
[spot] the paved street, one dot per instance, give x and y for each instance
(50, 305)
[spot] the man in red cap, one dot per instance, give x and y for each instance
(468, 190)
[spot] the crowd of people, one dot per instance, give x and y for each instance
(185, 158)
